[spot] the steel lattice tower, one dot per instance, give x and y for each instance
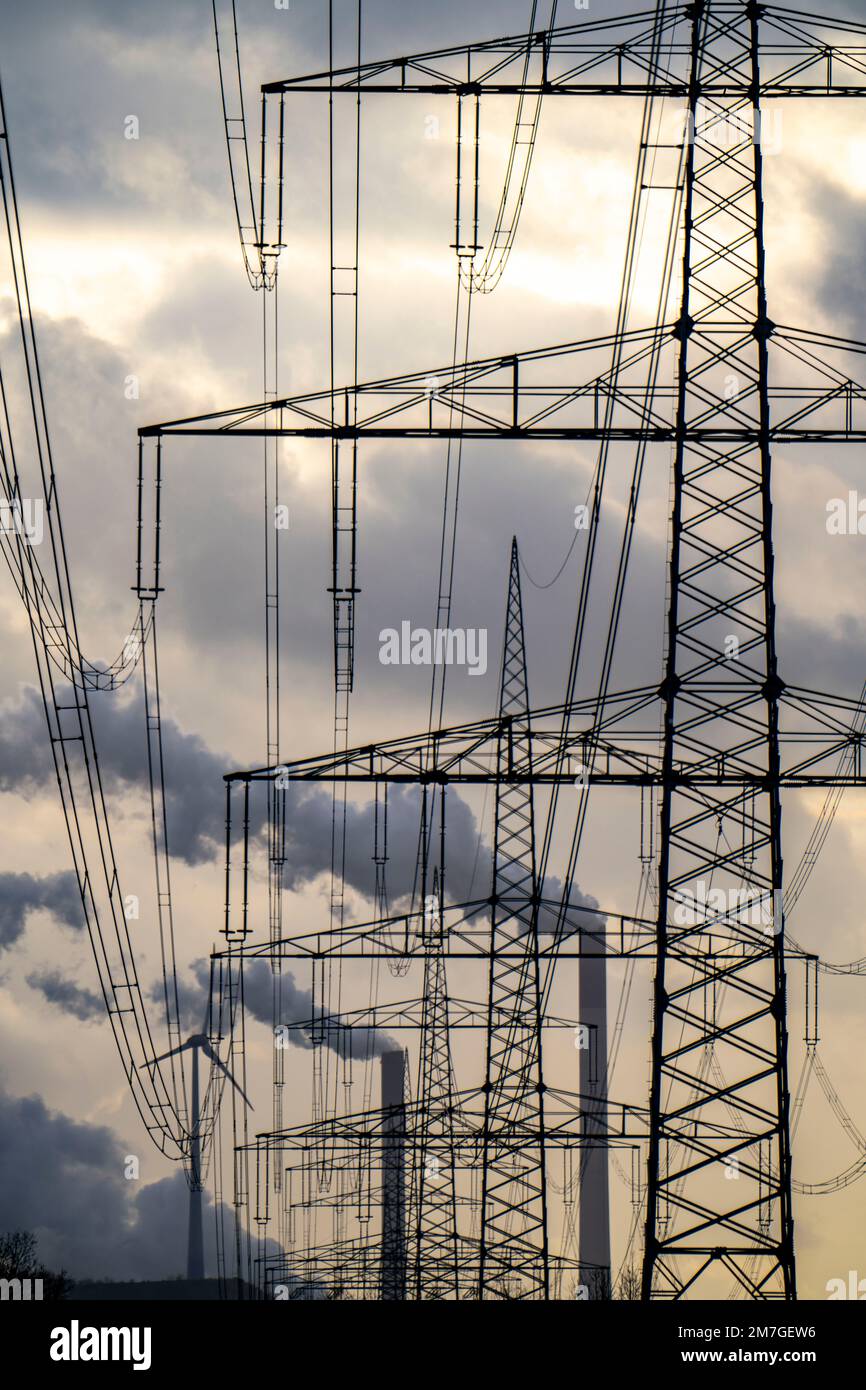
(514, 1246)
(435, 1268)
(719, 1035)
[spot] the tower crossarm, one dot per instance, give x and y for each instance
(466, 936)
(821, 737)
(634, 55)
(571, 391)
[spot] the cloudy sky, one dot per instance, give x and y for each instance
(135, 271)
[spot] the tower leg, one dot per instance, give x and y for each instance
(594, 1221)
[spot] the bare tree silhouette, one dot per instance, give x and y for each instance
(628, 1288)
(18, 1261)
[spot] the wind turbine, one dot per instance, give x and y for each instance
(197, 1042)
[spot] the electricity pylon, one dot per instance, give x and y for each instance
(514, 1244)
(719, 1184)
(436, 1271)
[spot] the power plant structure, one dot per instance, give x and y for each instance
(461, 1116)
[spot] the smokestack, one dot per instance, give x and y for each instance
(393, 1281)
(594, 1230)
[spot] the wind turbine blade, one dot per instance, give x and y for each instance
(172, 1053)
(209, 1052)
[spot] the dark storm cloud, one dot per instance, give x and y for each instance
(840, 273)
(194, 792)
(64, 1181)
(80, 70)
(21, 894)
(195, 807)
(82, 1004)
(829, 658)
(296, 1008)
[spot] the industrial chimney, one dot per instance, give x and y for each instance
(393, 1278)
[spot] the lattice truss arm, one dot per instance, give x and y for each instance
(804, 55)
(554, 393)
(620, 747)
(627, 1122)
